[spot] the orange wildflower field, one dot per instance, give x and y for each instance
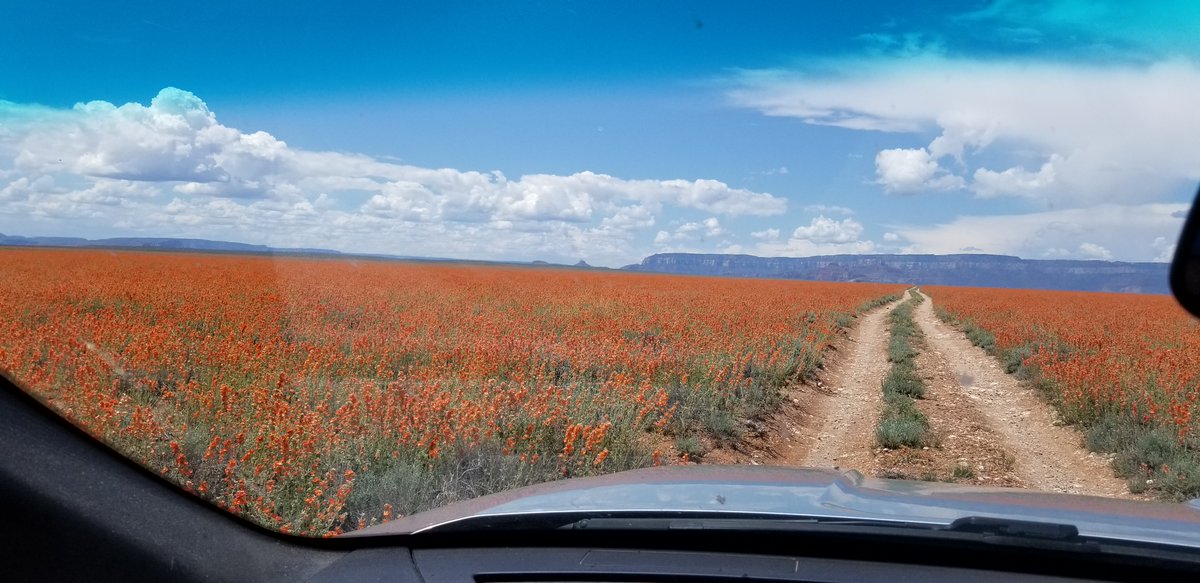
(1126, 367)
(319, 395)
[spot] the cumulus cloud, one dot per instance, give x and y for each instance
(1094, 251)
(1125, 133)
(1110, 231)
(822, 236)
(692, 232)
(1165, 249)
(912, 170)
(826, 230)
(630, 218)
(1016, 181)
(147, 167)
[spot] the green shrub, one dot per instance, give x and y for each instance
(1149, 451)
(900, 349)
(413, 485)
(903, 380)
(895, 433)
(981, 338)
(902, 406)
(901, 424)
(690, 445)
(843, 321)
(1014, 359)
(871, 304)
(721, 425)
(1112, 433)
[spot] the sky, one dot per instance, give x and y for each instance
(606, 131)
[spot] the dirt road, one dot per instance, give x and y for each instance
(850, 412)
(987, 427)
(1047, 455)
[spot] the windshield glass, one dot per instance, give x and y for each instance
(329, 267)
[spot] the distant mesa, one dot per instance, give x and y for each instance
(975, 270)
(165, 243)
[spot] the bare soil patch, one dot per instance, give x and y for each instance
(966, 450)
(825, 419)
(849, 413)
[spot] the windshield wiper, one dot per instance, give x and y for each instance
(665, 521)
(987, 530)
(1024, 533)
(773, 523)
(1014, 528)
(1004, 532)
(677, 521)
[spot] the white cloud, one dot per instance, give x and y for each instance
(1094, 251)
(824, 230)
(692, 232)
(707, 195)
(766, 234)
(1127, 133)
(1165, 249)
(890, 236)
(912, 170)
(631, 218)
(1015, 181)
(146, 167)
(712, 227)
(806, 248)
(828, 209)
(23, 188)
(822, 236)
(1109, 231)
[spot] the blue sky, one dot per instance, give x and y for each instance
(606, 131)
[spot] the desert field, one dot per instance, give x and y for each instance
(319, 395)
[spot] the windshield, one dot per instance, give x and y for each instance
(331, 267)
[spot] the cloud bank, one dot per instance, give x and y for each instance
(1104, 145)
(170, 168)
(1107, 231)
(1074, 133)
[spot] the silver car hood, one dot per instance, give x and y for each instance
(797, 492)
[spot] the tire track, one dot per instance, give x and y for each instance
(851, 411)
(1048, 455)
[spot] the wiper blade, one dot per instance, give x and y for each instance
(987, 530)
(727, 523)
(1024, 533)
(971, 530)
(1047, 536)
(977, 525)
(663, 521)
(1014, 528)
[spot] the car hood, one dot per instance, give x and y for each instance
(800, 492)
